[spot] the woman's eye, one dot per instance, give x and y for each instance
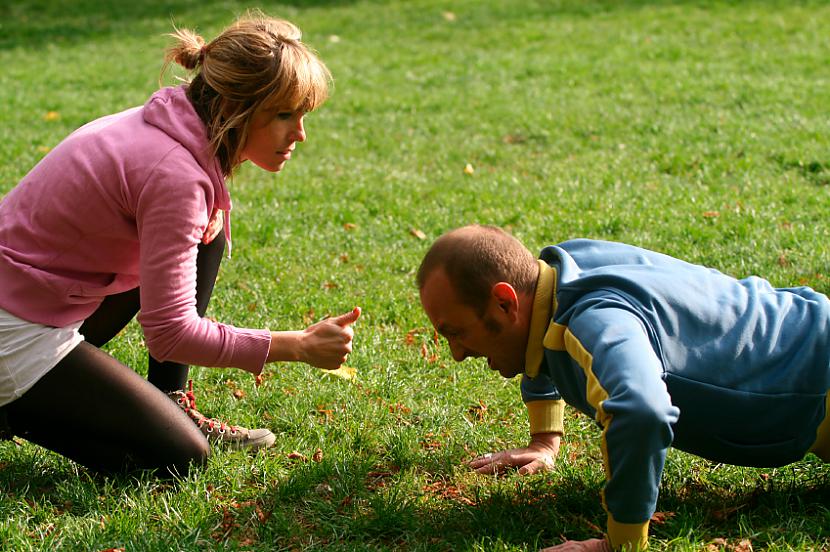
(285, 115)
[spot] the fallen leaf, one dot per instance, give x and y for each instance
(258, 380)
(478, 411)
(417, 233)
(716, 545)
(514, 139)
(349, 226)
(711, 214)
(429, 443)
(468, 169)
(744, 546)
(345, 372)
(328, 413)
(318, 455)
(659, 518)
(294, 455)
(399, 408)
(334, 38)
(238, 393)
(449, 16)
(52, 116)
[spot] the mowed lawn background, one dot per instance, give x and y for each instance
(699, 129)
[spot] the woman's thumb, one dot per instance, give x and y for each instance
(348, 318)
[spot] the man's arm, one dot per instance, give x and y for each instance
(624, 385)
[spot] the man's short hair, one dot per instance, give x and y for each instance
(475, 258)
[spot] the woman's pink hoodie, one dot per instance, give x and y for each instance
(124, 202)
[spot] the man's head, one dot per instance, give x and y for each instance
(476, 285)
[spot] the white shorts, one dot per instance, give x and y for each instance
(28, 351)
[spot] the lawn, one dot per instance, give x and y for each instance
(695, 128)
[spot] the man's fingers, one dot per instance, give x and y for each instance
(487, 463)
(539, 465)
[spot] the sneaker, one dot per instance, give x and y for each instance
(219, 432)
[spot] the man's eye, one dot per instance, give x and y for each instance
(284, 115)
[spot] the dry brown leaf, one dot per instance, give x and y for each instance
(711, 214)
(659, 518)
(238, 393)
(349, 226)
(318, 455)
(744, 546)
(417, 233)
(478, 411)
(716, 545)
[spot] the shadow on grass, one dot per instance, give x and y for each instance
(38, 23)
(364, 503)
(359, 504)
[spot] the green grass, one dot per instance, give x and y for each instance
(696, 128)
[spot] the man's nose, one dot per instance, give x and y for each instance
(459, 353)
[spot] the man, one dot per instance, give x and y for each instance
(659, 351)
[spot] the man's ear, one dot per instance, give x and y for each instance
(506, 297)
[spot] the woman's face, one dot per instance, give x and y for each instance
(272, 137)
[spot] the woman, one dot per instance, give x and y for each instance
(128, 212)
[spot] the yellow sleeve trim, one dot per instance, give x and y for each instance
(627, 536)
(546, 416)
(821, 447)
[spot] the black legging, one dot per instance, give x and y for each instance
(100, 413)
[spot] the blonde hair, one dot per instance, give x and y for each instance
(258, 61)
(476, 257)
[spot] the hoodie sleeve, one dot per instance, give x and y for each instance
(171, 216)
(624, 385)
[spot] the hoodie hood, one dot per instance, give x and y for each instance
(170, 110)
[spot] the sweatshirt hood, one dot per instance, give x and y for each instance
(170, 110)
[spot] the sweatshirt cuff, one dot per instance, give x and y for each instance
(250, 349)
(546, 416)
(627, 536)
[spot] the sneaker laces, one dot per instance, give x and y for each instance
(187, 400)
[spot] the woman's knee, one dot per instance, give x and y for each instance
(190, 454)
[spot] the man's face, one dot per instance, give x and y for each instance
(495, 335)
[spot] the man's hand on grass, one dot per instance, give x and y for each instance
(538, 456)
(593, 545)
